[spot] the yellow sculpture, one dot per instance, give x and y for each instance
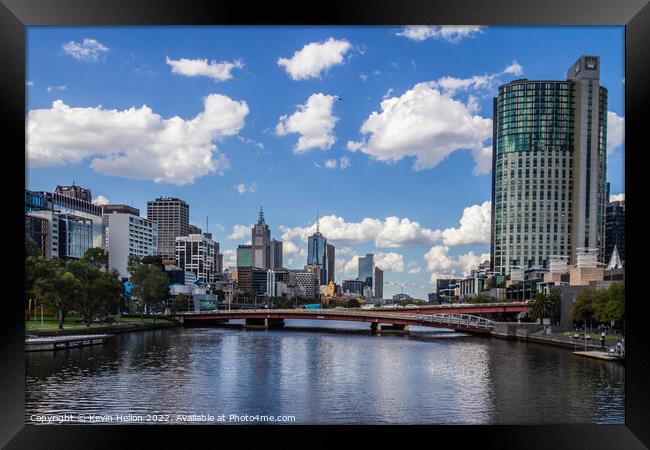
(330, 290)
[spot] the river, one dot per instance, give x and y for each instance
(337, 373)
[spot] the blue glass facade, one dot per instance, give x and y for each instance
(317, 254)
(367, 269)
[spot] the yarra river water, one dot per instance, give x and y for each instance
(336, 374)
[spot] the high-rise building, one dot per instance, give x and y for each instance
(128, 235)
(276, 254)
(261, 243)
(244, 256)
(193, 229)
(331, 259)
(173, 218)
(197, 253)
(615, 230)
(114, 209)
(548, 168)
(317, 253)
(75, 192)
(367, 269)
(379, 283)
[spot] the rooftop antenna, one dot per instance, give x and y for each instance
(206, 224)
(261, 215)
(317, 222)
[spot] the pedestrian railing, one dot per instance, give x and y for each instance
(460, 320)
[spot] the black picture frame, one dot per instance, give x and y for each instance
(15, 15)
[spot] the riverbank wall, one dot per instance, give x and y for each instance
(108, 329)
(533, 332)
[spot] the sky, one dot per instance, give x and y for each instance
(383, 132)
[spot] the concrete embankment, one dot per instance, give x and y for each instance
(109, 329)
(532, 332)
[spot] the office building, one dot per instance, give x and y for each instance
(122, 209)
(615, 230)
(193, 229)
(548, 168)
(446, 288)
(317, 253)
(66, 235)
(261, 243)
(244, 256)
(307, 284)
(276, 254)
(331, 261)
(37, 228)
(367, 269)
(172, 215)
(379, 283)
(114, 209)
(75, 192)
(65, 202)
(353, 287)
(197, 253)
(128, 235)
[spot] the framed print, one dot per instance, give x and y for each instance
(381, 219)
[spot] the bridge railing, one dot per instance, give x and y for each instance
(465, 320)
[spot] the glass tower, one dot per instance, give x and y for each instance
(548, 168)
(367, 269)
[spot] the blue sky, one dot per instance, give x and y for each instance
(292, 119)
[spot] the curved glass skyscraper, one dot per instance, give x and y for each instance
(549, 165)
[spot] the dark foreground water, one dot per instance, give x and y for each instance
(343, 376)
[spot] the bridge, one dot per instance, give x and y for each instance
(380, 320)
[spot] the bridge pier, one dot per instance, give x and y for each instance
(377, 327)
(264, 324)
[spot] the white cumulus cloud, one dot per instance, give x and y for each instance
(240, 232)
(449, 33)
(218, 71)
(389, 262)
(615, 131)
(617, 197)
(88, 50)
(424, 123)
(313, 121)
(442, 265)
(242, 188)
(315, 58)
(101, 200)
(136, 142)
(474, 226)
(56, 88)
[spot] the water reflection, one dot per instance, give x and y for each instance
(344, 376)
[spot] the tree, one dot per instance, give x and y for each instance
(583, 307)
(481, 298)
(155, 260)
(96, 257)
(180, 303)
(353, 303)
(544, 306)
(59, 288)
(150, 284)
(31, 249)
(609, 304)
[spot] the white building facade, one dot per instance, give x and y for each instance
(126, 235)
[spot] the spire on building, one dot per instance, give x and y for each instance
(615, 260)
(317, 222)
(261, 219)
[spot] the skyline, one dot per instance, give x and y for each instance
(421, 212)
